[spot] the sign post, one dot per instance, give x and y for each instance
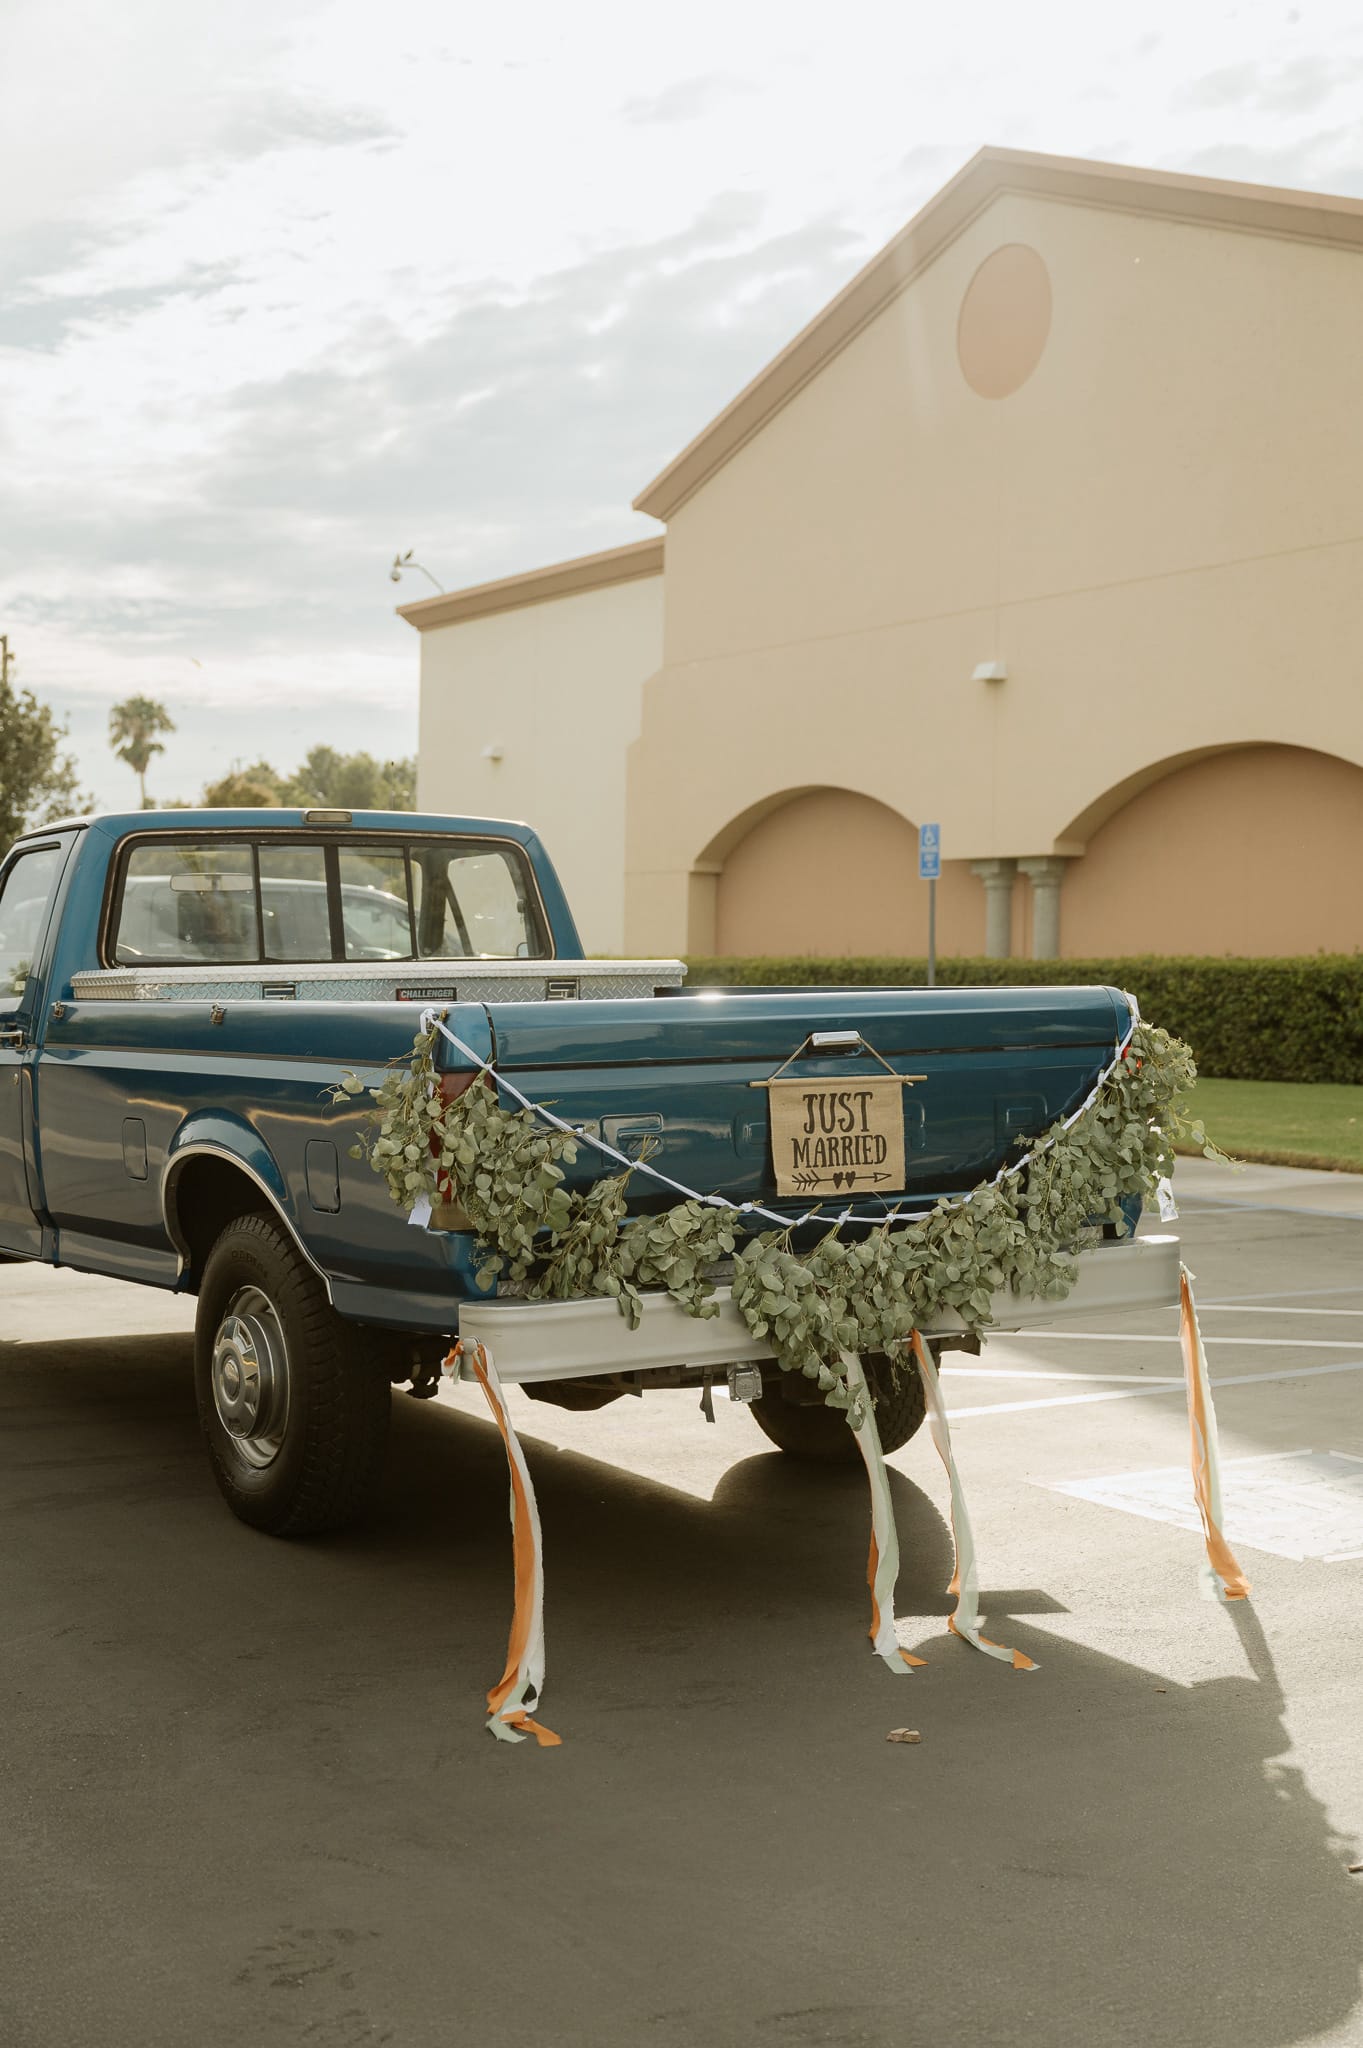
(929, 869)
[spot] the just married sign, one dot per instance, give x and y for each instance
(837, 1136)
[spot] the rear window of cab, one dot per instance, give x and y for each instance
(217, 902)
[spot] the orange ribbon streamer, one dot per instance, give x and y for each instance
(1222, 1575)
(519, 1687)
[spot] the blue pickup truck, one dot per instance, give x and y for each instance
(181, 994)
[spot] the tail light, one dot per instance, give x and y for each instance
(452, 1086)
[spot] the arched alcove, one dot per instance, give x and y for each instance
(1258, 850)
(832, 873)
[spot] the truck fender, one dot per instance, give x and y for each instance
(217, 1134)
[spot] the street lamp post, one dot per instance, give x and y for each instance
(401, 562)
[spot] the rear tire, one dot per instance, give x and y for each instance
(821, 1436)
(294, 1412)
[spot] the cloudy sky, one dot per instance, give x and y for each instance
(294, 284)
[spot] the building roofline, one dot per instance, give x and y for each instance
(628, 564)
(1174, 195)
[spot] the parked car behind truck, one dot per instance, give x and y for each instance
(181, 992)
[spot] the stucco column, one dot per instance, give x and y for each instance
(702, 904)
(1045, 872)
(998, 877)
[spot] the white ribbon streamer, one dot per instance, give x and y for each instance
(882, 1565)
(965, 1584)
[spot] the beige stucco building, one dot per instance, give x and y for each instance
(1049, 529)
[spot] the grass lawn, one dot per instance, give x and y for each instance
(1284, 1123)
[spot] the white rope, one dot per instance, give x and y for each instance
(431, 1018)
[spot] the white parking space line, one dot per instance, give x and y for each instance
(1154, 1387)
(1258, 1309)
(1284, 1294)
(1164, 1337)
(1061, 1401)
(1012, 1372)
(1303, 1211)
(1194, 1206)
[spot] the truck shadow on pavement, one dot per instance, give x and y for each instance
(278, 1751)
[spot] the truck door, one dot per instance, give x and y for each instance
(28, 883)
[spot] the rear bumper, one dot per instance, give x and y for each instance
(563, 1340)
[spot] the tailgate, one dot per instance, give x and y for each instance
(675, 1073)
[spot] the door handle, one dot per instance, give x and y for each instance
(12, 1037)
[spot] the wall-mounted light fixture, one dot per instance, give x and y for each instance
(493, 751)
(990, 672)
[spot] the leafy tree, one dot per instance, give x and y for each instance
(133, 728)
(352, 782)
(327, 780)
(246, 788)
(37, 780)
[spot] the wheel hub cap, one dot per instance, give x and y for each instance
(251, 1376)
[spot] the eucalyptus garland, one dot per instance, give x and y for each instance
(857, 1291)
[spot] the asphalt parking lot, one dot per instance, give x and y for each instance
(246, 1795)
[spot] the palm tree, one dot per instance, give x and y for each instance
(133, 726)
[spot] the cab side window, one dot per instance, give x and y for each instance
(25, 894)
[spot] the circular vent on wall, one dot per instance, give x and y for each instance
(1005, 319)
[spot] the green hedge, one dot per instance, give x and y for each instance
(1246, 1020)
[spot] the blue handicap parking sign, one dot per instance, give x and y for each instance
(929, 853)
